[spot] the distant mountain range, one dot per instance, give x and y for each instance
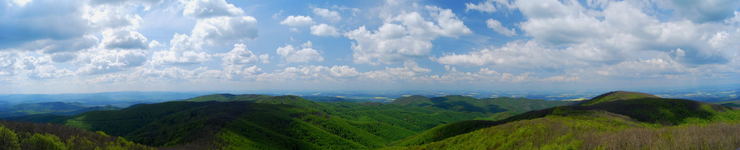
(228, 121)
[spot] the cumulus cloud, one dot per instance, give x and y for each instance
(703, 11)
(405, 35)
(496, 26)
(57, 46)
(217, 30)
(488, 6)
(343, 71)
(107, 61)
(625, 27)
(36, 22)
(327, 14)
(210, 8)
(410, 70)
(295, 21)
(530, 56)
(124, 39)
(303, 55)
(324, 30)
(111, 16)
(240, 55)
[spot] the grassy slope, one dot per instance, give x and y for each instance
(592, 130)
(617, 96)
(640, 111)
(511, 107)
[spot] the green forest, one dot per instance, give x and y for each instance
(615, 120)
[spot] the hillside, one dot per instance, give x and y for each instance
(264, 122)
(49, 108)
(289, 122)
(498, 106)
(733, 104)
(664, 123)
(616, 96)
(14, 136)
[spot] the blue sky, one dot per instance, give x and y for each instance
(78, 46)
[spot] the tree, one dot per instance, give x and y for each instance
(8, 139)
(43, 142)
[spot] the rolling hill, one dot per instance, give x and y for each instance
(615, 120)
(49, 108)
(227, 121)
(287, 122)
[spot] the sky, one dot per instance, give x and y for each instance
(82, 46)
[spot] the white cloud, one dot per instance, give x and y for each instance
(496, 26)
(241, 55)
(343, 71)
(621, 27)
(409, 71)
(302, 55)
(182, 51)
(102, 61)
(486, 6)
(111, 16)
(124, 39)
(327, 14)
(296, 21)
(20, 3)
(533, 57)
(703, 11)
(180, 57)
(224, 30)
(57, 46)
(210, 8)
(64, 23)
(324, 30)
(403, 36)
(489, 6)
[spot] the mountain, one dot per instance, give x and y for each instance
(615, 120)
(228, 121)
(117, 99)
(16, 136)
(265, 122)
(501, 107)
(49, 108)
(733, 104)
(617, 96)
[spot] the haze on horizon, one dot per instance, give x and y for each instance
(84, 46)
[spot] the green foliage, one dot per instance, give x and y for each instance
(446, 131)
(470, 104)
(43, 142)
(617, 120)
(49, 136)
(283, 122)
(617, 96)
(9, 139)
(48, 109)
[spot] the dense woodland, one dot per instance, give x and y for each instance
(616, 120)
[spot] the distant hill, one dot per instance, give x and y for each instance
(616, 96)
(265, 122)
(610, 121)
(288, 122)
(228, 121)
(733, 104)
(49, 108)
(503, 106)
